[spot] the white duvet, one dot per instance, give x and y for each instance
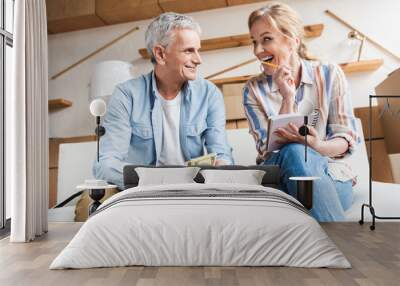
(248, 225)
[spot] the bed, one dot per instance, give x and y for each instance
(199, 224)
(84, 251)
(240, 231)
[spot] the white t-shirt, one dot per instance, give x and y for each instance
(171, 149)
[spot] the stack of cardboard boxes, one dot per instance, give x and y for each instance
(233, 98)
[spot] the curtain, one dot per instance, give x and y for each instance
(27, 123)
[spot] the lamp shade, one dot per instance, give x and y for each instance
(106, 76)
(98, 107)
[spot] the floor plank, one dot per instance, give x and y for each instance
(374, 255)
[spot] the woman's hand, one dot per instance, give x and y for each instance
(291, 134)
(283, 77)
(331, 148)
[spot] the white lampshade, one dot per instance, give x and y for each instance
(98, 107)
(106, 76)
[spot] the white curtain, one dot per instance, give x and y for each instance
(27, 123)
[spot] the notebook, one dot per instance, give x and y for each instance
(280, 121)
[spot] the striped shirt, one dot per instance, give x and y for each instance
(323, 94)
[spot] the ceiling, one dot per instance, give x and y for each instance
(72, 15)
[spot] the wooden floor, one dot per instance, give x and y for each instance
(374, 255)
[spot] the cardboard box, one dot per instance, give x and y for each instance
(390, 119)
(233, 98)
(395, 165)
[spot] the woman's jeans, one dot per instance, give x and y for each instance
(330, 197)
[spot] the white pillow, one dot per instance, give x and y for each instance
(248, 177)
(166, 176)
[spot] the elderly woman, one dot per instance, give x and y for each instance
(292, 83)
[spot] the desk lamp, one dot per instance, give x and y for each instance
(98, 109)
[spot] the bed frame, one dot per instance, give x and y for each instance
(270, 179)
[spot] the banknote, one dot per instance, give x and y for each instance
(208, 160)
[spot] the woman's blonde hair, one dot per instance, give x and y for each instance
(286, 20)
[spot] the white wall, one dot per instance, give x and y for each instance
(378, 19)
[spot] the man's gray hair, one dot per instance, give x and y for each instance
(159, 30)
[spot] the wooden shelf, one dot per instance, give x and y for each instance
(59, 103)
(361, 66)
(313, 31)
(71, 15)
(240, 40)
(228, 80)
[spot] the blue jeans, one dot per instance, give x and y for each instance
(330, 197)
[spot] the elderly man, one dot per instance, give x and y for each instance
(167, 116)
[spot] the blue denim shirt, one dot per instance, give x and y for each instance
(133, 124)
